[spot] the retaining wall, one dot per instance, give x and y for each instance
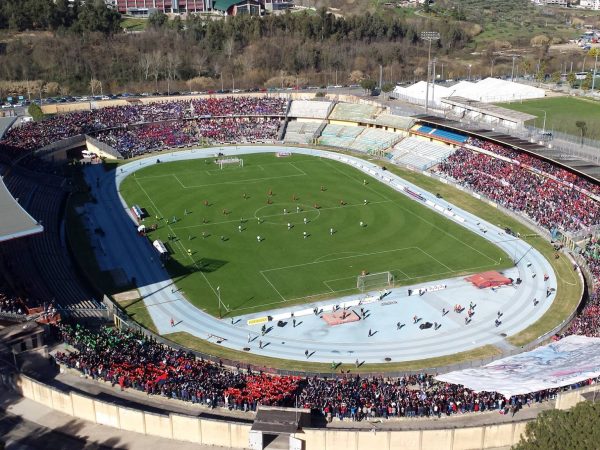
(236, 435)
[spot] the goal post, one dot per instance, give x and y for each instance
(365, 282)
(239, 162)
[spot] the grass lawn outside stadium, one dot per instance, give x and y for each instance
(562, 114)
(285, 268)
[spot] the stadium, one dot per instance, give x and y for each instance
(302, 267)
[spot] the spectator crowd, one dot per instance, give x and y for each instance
(134, 361)
(35, 135)
(142, 139)
(551, 204)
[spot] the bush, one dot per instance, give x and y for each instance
(36, 112)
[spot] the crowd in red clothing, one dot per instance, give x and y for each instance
(551, 204)
(35, 135)
(547, 202)
(537, 163)
(133, 361)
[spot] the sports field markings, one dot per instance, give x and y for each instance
(291, 213)
(178, 242)
(434, 258)
(447, 233)
(300, 173)
(306, 298)
(297, 168)
(360, 182)
(273, 286)
(320, 258)
(339, 259)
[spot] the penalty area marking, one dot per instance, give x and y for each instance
(307, 298)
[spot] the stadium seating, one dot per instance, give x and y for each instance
(418, 153)
(354, 112)
(301, 132)
(373, 140)
(339, 135)
(442, 134)
(309, 109)
(40, 269)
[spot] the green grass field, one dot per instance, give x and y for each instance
(562, 113)
(398, 235)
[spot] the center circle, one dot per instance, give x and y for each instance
(287, 212)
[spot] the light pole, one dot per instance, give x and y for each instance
(470, 65)
(544, 124)
(512, 73)
(433, 79)
(219, 298)
(429, 36)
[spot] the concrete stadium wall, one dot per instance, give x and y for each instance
(236, 435)
(486, 437)
(171, 426)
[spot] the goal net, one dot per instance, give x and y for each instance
(375, 281)
(222, 162)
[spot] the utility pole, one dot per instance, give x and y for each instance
(512, 73)
(594, 75)
(429, 36)
(380, 76)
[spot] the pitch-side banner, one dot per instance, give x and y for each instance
(572, 359)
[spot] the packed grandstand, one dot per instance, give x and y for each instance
(555, 198)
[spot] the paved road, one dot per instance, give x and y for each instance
(342, 343)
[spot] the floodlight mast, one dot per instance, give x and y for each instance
(429, 36)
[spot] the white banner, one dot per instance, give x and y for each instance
(572, 359)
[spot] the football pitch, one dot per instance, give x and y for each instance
(308, 213)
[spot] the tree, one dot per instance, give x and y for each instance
(387, 87)
(577, 428)
(36, 112)
(95, 86)
(571, 79)
(556, 77)
(582, 125)
(540, 75)
(368, 84)
(587, 82)
(157, 19)
(96, 16)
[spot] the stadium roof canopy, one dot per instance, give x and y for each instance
(14, 220)
(5, 124)
(587, 168)
(489, 109)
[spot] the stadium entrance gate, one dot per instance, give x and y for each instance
(274, 428)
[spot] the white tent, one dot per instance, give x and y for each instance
(489, 90)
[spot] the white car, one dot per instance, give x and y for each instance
(7, 106)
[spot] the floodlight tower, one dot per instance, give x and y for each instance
(429, 36)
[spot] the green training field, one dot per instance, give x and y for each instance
(397, 235)
(562, 113)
